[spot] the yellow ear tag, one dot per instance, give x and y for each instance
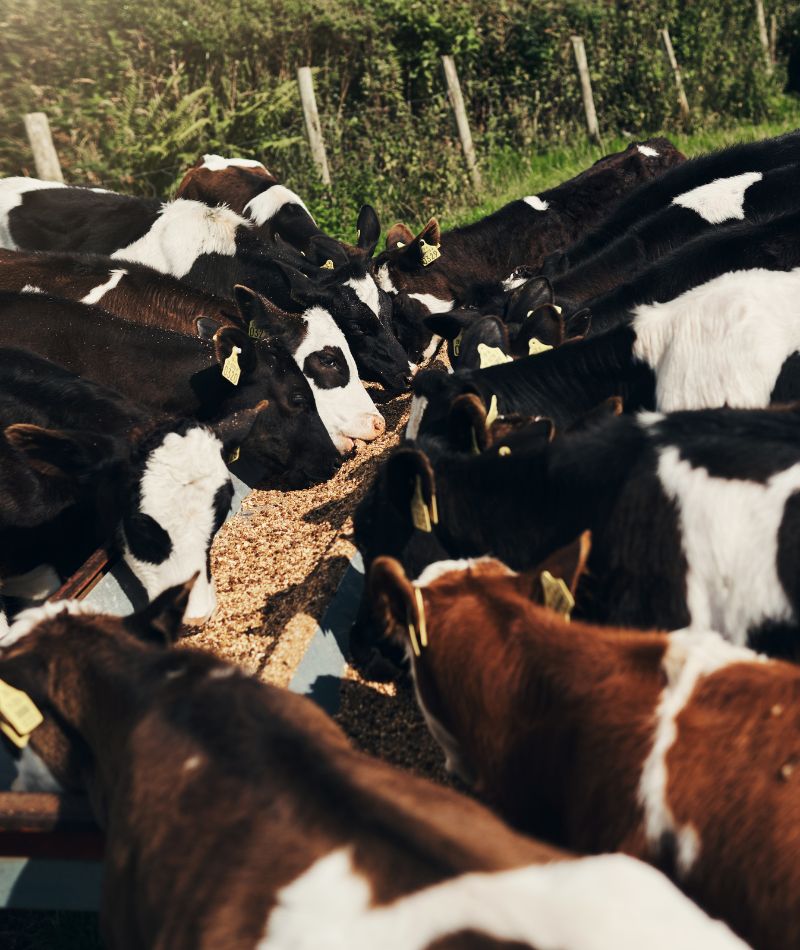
(328, 265)
(504, 450)
(492, 414)
(420, 516)
(234, 456)
(423, 627)
(492, 356)
(399, 244)
(230, 368)
(536, 346)
(429, 252)
(254, 332)
(557, 596)
(19, 715)
(457, 343)
(475, 448)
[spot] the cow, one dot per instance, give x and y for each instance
(443, 269)
(676, 748)
(82, 466)
(738, 164)
(143, 295)
(219, 372)
(753, 197)
(237, 814)
(677, 503)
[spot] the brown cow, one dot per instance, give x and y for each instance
(238, 816)
(679, 749)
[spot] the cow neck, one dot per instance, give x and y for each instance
(568, 381)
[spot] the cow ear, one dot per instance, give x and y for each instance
(449, 325)
(567, 564)
(326, 252)
(411, 487)
(160, 622)
(60, 452)
(466, 424)
(368, 229)
(532, 294)
(399, 234)
(228, 338)
(578, 324)
(393, 601)
(263, 318)
(528, 432)
(234, 429)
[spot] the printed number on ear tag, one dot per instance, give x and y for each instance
(18, 715)
(457, 343)
(428, 252)
(557, 596)
(328, 265)
(254, 332)
(230, 368)
(536, 346)
(420, 516)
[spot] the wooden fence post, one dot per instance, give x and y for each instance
(762, 33)
(306, 83)
(683, 102)
(457, 104)
(586, 87)
(773, 38)
(44, 152)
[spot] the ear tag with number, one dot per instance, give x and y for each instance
(230, 368)
(536, 346)
(557, 596)
(492, 356)
(420, 516)
(254, 332)
(18, 715)
(457, 343)
(428, 252)
(328, 265)
(234, 456)
(492, 414)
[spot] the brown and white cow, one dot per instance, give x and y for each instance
(237, 815)
(680, 749)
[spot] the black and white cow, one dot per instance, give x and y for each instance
(739, 160)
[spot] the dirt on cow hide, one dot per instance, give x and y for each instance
(277, 564)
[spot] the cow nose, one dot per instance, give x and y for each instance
(202, 603)
(378, 425)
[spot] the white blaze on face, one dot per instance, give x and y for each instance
(267, 204)
(367, 292)
(690, 656)
(648, 151)
(347, 412)
(433, 303)
(11, 193)
(720, 200)
(97, 293)
(217, 163)
(384, 281)
(184, 231)
(535, 202)
(592, 903)
(178, 487)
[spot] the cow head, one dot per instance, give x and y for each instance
(466, 332)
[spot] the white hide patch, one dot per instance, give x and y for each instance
(430, 350)
(723, 523)
(511, 283)
(27, 620)
(722, 343)
(11, 191)
(267, 204)
(184, 231)
(719, 200)
(367, 292)
(217, 163)
(535, 202)
(418, 406)
(648, 151)
(434, 304)
(181, 478)
(96, 294)
(591, 903)
(439, 568)
(384, 281)
(31, 289)
(690, 656)
(347, 412)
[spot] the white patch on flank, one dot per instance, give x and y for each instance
(511, 283)
(690, 656)
(535, 202)
(217, 163)
(439, 568)
(591, 903)
(719, 200)
(722, 343)
(347, 412)
(31, 289)
(36, 584)
(384, 281)
(434, 304)
(418, 406)
(96, 294)
(267, 204)
(180, 479)
(33, 774)
(648, 151)
(11, 192)
(367, 292)
(724, 522)
(27, 620)
(183, 232)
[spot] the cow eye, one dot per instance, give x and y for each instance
(329, 361)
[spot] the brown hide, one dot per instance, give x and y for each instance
(233, 186)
